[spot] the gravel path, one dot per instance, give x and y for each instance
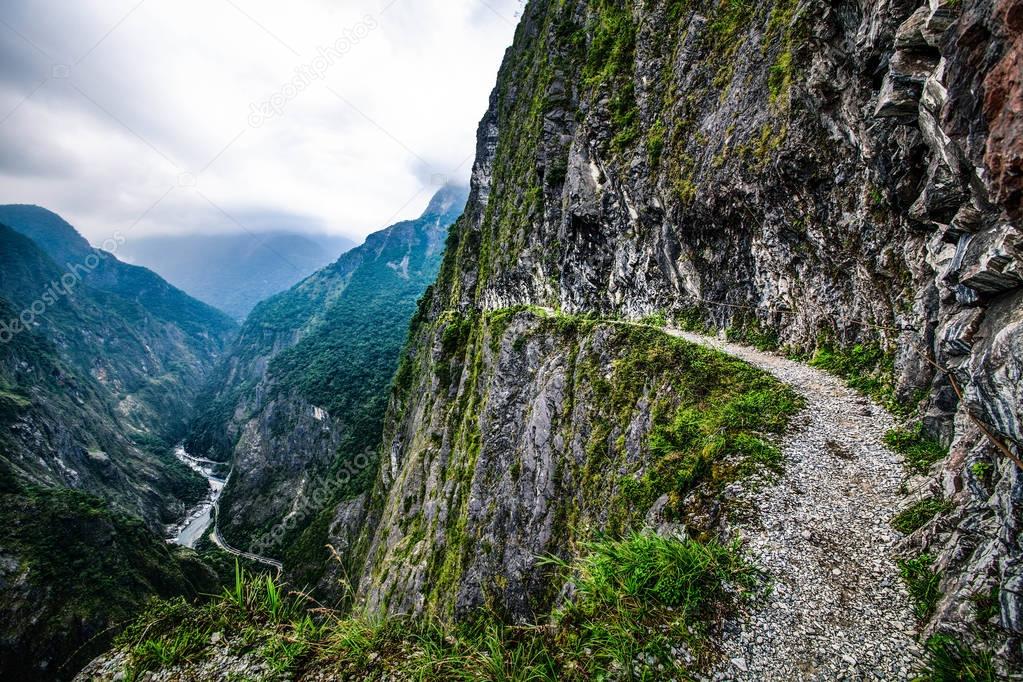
(838, 609)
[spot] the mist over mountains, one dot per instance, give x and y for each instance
(234, 272)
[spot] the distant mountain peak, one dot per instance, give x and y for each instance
(50, 231)
(448, 199)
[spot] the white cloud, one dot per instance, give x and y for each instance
(168, 95)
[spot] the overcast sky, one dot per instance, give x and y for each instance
(184, 116)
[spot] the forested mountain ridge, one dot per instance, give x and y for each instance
(303, 391)
(203, 324)
(99, 366)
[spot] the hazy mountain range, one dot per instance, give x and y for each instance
(234, 272)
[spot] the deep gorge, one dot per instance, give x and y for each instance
(837, 185)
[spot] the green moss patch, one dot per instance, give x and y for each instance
(866, 367)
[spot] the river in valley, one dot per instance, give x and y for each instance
(189, 531)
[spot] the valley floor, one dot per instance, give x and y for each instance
(838, 608)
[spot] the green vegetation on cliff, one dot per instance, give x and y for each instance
(920, 450)
(636, 598)
(710, 424)
(628, 419)
(708, 419)
(76, 571)
(952, 660)
(865, 367)
(917, 515)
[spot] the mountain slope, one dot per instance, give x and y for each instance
(74, 572)
(99, 365)
(96, 387)
(161, 335)
(234, 272)
(205, 327)
(297, 406)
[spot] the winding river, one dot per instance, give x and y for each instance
(189, 531)
(204, 515)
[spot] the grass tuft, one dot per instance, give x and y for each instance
(922, 582)
(752, 333)
(174, 632)
(919, 514)
(635, 600)
(636, 596)
(950, 660)
(919, 450)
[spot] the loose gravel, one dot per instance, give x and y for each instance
(838, 609)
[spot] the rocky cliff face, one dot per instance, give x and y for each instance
(529, 433)
(815, 174)
(298, 403)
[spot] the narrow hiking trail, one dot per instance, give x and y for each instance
(838, 609)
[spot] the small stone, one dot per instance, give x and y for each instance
(740, 663)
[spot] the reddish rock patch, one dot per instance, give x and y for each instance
(1003, 111)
